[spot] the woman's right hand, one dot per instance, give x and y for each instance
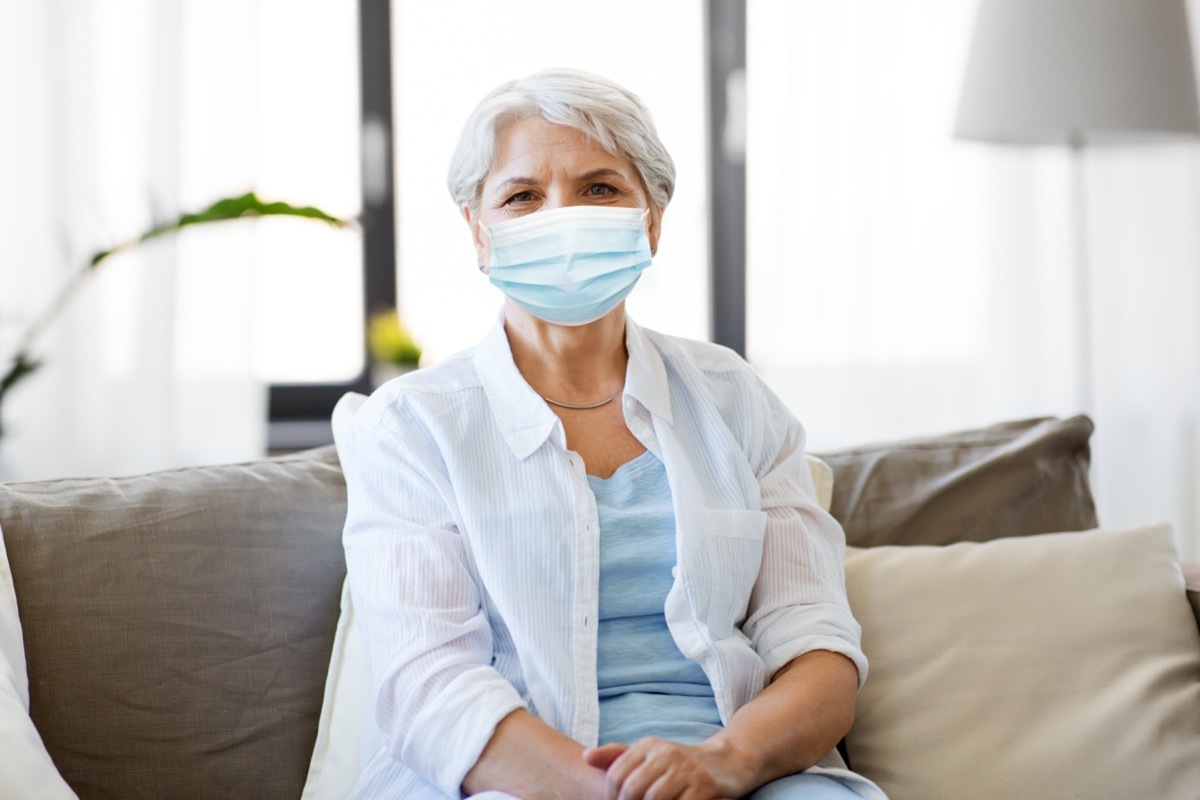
(657, 769)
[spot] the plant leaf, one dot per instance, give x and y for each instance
(246, 205)
(22, 366)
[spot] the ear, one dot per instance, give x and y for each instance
(482, 251)
(654, 227)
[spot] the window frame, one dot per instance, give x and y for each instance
(298, 413)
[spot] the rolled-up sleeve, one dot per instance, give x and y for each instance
(799, 602)
(429, 645)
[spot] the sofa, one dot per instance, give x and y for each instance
(185, 634)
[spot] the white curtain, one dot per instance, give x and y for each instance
(903, 283)
(117, 113)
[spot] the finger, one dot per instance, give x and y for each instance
(668, 786)
(618, 772)
(603, 757)
(648, 772)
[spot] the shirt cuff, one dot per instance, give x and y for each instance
(833, 629)
(448, 736)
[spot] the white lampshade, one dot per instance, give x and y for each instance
(1076, 71)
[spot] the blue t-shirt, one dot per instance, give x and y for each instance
(646, 686)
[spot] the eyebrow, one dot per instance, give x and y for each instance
(521, 180)
(603, 172)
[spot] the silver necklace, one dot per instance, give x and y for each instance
(579, 408)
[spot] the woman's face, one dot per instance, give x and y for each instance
(540, 165)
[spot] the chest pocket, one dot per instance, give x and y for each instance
(734, 541)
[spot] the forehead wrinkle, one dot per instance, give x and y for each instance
(521, 180)
(542, 151)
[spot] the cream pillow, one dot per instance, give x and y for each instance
(334, 767)
(25, 767)
(1051, 666)
(822, 476)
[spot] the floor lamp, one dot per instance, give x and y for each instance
(1079, 73)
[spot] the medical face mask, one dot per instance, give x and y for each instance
(571, 265)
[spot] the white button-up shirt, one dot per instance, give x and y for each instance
(472, 542)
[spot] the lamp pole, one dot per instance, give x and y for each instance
(1085, 352)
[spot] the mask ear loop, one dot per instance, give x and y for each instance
(483, 229)
(645, 213)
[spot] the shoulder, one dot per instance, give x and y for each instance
(707, 378)
(708, 368)
(703, 356)
(423, 397)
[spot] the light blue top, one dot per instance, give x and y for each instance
(646, 686)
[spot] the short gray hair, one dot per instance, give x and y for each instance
(613, 116)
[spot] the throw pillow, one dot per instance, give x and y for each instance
(333, 770)
(1039, 667)
(177, 625)
(26, 769)
(1010, 479)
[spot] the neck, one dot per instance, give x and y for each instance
(573, 364)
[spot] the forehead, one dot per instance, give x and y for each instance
(534, 147)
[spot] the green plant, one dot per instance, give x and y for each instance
(229, 208)
(390, 342)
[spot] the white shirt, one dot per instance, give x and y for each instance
(472, 543)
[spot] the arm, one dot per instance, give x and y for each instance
(790, 725)
(527, 758)
(443, 709)
(787, 728)
(437, 697)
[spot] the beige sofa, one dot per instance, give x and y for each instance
(178, 626)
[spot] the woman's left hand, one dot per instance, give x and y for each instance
(656, 769)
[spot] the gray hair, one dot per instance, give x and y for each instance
(613, 116)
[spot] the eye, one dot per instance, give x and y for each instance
(519, 197)
(600, 190)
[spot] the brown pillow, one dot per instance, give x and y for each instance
(1011, 479)
(178, 625)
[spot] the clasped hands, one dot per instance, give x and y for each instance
(656, 769)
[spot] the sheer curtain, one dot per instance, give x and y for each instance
(903, 283)
(116, 114)
(118, 120)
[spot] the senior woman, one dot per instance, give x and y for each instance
(587, 557)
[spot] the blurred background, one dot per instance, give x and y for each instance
(886, 278)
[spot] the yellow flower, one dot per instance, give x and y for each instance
(389, 341)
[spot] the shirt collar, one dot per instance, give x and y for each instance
(646, 375)
(526, 421)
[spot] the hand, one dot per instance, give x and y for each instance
(655, 769)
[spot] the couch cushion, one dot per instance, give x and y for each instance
(1011, 479)
(178, 625)
(1042, 666)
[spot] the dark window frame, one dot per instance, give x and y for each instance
(725, 63)
(298, 413)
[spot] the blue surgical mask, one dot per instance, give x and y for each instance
(571, 265)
